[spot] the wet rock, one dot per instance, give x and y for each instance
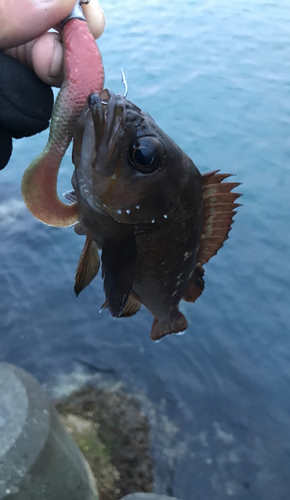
(114, 436)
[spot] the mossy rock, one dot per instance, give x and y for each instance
(114, 436)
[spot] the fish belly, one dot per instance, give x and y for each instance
(164, 267)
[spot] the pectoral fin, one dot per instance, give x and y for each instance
(176, 323)
(70, 196)
(218, 212)
(118, 269)
(88, 266)
(195, 286)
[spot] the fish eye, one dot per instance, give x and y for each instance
(144, 154)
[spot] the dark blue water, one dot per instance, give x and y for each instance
(215, 76)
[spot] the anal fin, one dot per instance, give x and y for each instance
(132, 306)
(218, 212)
(88, 266)
(195, 286)
(176, 323)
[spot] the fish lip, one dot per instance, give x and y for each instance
(103, 118)
(109, 123)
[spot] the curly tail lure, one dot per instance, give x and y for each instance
(84, 74)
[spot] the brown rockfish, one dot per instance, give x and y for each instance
(141, 200)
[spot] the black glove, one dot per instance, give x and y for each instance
(25, 104)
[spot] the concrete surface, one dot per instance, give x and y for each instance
(38, 458)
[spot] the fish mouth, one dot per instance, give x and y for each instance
(108, 116)
(96, 146)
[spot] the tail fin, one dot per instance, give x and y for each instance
(176, 323)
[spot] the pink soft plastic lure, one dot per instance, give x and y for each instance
(84, 74)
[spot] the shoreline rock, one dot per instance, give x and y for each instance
(114, 436)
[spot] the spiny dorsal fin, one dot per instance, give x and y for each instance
(195, 286)
(218, 212)
(88, 266)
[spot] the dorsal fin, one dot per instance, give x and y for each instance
(218, 212)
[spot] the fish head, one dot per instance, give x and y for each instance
(125, 165)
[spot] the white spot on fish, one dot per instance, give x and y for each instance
(179, 276)
(153, 220)
(119, 211)
(128, 210)
(187, 255)
(113, 176)
(165, 216)
(137, 206)
(174, 293)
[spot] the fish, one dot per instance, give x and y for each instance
(145, 207)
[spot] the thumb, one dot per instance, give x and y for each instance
(25, 20)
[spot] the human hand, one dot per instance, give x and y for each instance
(24, 36)
(25, 101)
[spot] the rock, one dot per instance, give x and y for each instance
(38, 458)
(114, 436)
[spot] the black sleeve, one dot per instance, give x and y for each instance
(25, 104)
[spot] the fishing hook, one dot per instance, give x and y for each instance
(124, 81)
